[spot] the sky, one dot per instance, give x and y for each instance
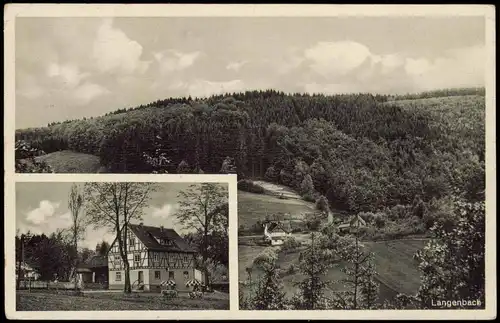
(43, 208)
(70, 68)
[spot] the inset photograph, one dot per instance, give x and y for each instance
(105, 246)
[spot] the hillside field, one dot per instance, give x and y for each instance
(397, 271)
(253, 207)
(67, 161)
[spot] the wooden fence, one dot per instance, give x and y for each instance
(38, 284)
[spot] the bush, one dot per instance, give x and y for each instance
(249, 186)
(292, 269)
(309, 197)
(379, 220)
(322, 204)
(290, 244)
(400, 212)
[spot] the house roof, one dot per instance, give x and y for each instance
(357, 218)
(279, 226)
(94, 262)
(149, 235)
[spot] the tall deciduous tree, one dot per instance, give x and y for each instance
(202, 208)
(115, 205)
(75, 205)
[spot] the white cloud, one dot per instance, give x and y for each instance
(203, 88)
(330, 88)
(336, 57)
(462, 67)
(45, 210)
(165, 211)
(171, 60)
(389, 62)
(68, 74)
(115, 52)
(235, 66)
(87, 92)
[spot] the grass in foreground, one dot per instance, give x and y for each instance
(43, 301)
(67, 161)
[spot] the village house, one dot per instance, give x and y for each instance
(276, 231)
(94, 272)
(27, 272)
(354, 224)
(155, 255)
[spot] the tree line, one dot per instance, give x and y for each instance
(362, 152)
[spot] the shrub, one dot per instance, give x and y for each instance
(290, 244)
(249, 186)
(322, 204)
(379, 220)
(400, 212)
(292, 269)
(309, 197)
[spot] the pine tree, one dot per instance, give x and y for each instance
(314, 264)
(269, 293)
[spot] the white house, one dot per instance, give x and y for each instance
(155, 254)
(276, 232)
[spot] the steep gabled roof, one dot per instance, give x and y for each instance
(148, 235)
(275, 226)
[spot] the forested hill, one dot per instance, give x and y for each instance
(361, 151)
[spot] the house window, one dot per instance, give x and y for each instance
(186, 258)
(137, 259)
(186, 274)
(118, 276)
(156, 257)
(131, 243)
(157, 274)
(171, 275)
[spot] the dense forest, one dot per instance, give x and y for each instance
(363, 152)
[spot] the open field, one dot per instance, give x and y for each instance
(253, 207)
(43, 301)
(276, 189)
(397, 271)
(67, 161)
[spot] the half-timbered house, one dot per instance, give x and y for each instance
(155, 255)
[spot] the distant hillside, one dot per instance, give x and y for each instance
(360, 151)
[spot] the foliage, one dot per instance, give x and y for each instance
(204, 210)
(249, 186)
(269, 293)
(114, 205)
(25, 159)
(362, 152)
(452, 263)
(290, 244)
(322, 204)
(77, 229)
(314, 263)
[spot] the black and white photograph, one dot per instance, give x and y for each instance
(372, 190)
(115, 246)
(359, 139)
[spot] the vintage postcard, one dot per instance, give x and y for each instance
(250, 161)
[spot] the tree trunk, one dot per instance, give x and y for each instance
(128, 287)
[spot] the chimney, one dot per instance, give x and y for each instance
(141, 224)
(161, 228)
